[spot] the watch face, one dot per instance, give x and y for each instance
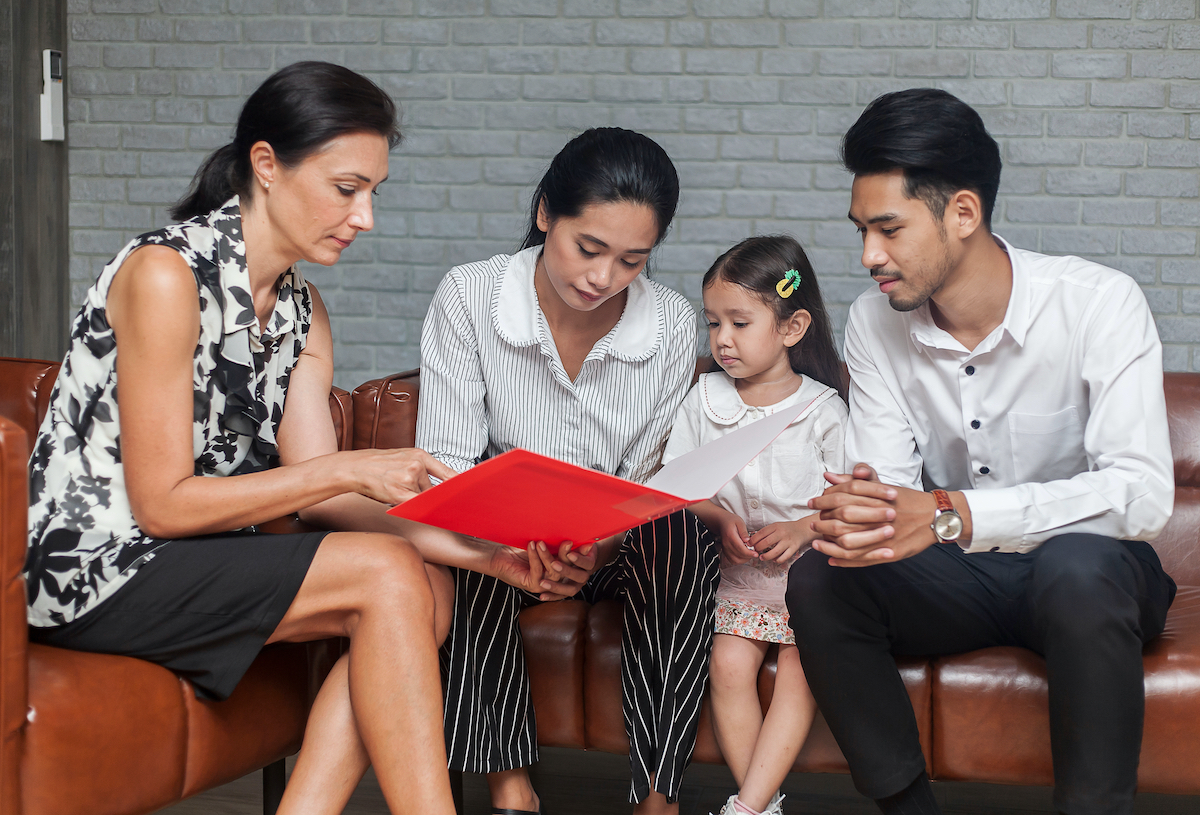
(948, 526)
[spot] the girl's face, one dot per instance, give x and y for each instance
(746, 339)
(594, 257)
(319, 206)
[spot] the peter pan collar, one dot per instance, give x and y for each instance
(724, 406)
(519, 321)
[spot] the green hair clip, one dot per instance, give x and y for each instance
(785, 287)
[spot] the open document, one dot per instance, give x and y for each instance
(519, 496)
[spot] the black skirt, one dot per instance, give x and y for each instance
(202, 607)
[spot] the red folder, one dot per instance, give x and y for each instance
(519, 496)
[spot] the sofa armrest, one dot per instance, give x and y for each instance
(14, 637)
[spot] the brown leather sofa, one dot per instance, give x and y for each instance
(983, 716)
(86, 733)
(92, 734)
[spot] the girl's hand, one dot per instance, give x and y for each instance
(393, 476)
(780, 542)
(735, 540)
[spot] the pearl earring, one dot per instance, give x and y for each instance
(266, 185)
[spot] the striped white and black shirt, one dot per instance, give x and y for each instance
(492, 380)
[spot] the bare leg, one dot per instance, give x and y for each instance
(655, 804)
(442, 583)
(733, 685)
(386, 692)
(512, 789)
(332, 759)
(783, 732)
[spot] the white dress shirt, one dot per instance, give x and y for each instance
(492, 379)
(1055, 423)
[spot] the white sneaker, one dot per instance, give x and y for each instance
(773, 808)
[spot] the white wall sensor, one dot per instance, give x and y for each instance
(52, 96)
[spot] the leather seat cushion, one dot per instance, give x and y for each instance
(991, 711)
(107, 735)
(111, 734)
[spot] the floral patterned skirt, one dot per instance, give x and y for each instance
(754, 622)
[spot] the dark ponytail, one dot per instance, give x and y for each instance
(605, 165)
(296, 110)
(758, 264)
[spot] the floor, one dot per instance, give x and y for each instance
(572, 782)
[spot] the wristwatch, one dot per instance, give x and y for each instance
(947, 523)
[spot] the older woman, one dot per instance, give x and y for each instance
(192, 406)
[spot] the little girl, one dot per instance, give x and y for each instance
(770, 333)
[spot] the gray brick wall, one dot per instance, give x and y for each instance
(1096, 104)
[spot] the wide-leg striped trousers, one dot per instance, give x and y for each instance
(666, 577)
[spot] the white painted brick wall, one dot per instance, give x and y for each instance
(1096, 104)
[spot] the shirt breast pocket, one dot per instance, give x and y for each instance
(1047, 447)
(794, 473)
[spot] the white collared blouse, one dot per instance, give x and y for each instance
(1055, 423)
(84, 542)
(492, 380)
(777, 483)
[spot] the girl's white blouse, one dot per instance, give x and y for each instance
(776, 484)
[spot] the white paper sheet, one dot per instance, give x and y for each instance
(697, 475)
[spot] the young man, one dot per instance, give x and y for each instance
(1024, 392)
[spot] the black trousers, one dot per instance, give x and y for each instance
(1086, 603)
(665, 576)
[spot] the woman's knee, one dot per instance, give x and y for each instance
(387, 570)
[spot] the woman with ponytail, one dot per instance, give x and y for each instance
(144, 497)
(567, 349)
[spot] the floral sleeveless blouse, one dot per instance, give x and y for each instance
(84, 543)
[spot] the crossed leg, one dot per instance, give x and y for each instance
(381, 704)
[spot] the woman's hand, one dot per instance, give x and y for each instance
(570, 569)
(393, 476)
(779, 542)
(534, 569)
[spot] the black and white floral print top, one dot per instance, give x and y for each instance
(84, 543)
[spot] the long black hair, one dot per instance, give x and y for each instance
(296, 110)
(605, 165)
(758, 264)
(935, 138)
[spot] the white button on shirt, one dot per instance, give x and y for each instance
(1055, 423)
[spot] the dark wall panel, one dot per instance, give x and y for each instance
(34, 287)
